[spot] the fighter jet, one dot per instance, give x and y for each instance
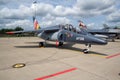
(64, 33)
(110, 34)
(117, 35)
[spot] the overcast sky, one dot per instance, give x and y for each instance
(93, 13)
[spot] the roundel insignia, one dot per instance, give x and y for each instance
(69, 34)
(18, 65)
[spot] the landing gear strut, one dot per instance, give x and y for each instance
(59, 43)
(88, 48)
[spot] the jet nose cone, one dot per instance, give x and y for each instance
(98, 41)
(104, 42)
(95, 40)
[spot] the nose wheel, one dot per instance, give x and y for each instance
(85, 51)
(88, 48)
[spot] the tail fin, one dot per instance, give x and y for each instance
(36, 24)
(106, 26)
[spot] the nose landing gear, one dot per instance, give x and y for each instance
(88, 48)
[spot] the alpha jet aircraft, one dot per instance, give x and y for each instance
(64, 33)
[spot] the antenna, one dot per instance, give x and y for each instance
(35, 2)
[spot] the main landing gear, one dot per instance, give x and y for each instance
(59, 43)
(42, 44)
(88, 48)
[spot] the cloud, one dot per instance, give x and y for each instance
(23, 11)
(2, 2)
(51, 13)
(94, 7)
(82, 8)
(50, 20)
(42, 9)
(48, 17)
(114, 17)
(94, 4)
(20, 13)
(91, 24)
(26, 24)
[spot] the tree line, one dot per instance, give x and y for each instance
(4, 30)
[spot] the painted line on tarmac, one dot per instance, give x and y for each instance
(56, 74)
(112, 56)
(103, 56)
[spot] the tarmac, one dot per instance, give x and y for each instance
(57, 63)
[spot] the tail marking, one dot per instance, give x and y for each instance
(36, 24)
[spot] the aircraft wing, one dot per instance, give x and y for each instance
(102, 32)
(19, 32)
(49, 29)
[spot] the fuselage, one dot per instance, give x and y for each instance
(69, 34)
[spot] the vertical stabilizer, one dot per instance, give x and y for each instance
(106, 26)
(36, 24)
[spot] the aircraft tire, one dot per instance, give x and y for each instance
(60, 43)
(41, 44)
(85, 51)
(113, 40)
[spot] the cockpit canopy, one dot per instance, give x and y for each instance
(68, 27)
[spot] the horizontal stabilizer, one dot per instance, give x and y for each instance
(10, 33)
